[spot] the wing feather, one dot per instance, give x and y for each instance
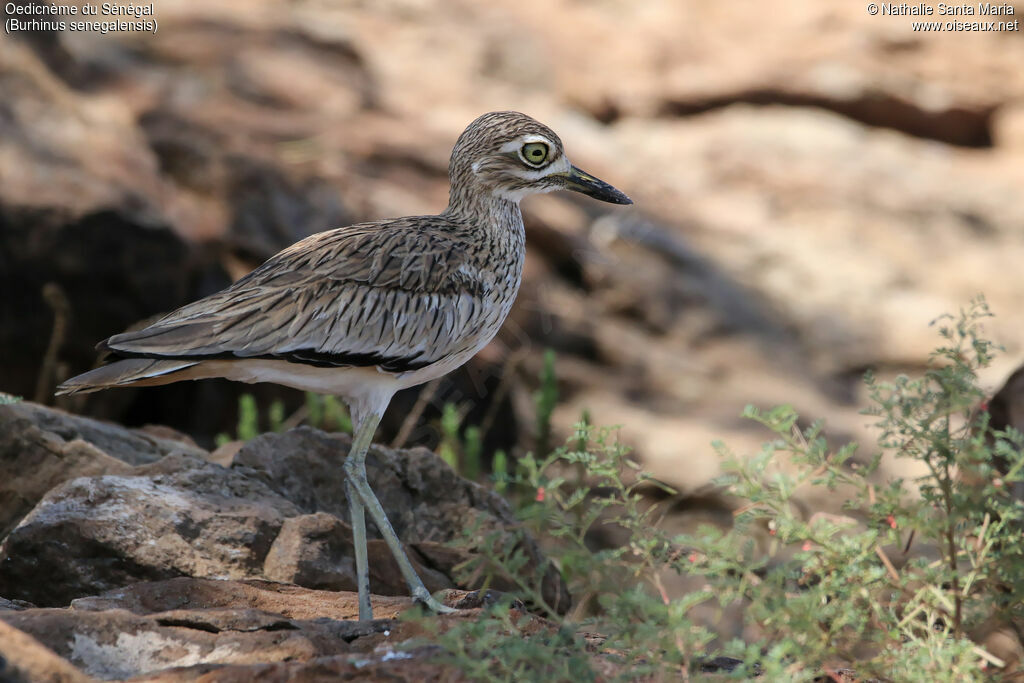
(380, 294)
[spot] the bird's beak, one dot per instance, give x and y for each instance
(581, 181)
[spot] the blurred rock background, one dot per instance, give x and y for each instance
(813, 186)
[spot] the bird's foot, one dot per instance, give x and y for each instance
(433, 604)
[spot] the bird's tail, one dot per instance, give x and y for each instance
(126, 372)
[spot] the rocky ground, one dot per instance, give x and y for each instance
(133, 555)
(813, 186)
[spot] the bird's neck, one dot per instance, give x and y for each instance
(494, 226)
(497, 217)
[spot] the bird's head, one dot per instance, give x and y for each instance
(510, 155)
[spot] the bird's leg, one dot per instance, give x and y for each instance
(355, 469)
(358, 520)
(361, 439)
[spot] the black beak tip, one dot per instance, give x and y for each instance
(611, 195)
(584, 183)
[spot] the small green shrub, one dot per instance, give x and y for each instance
(610, 585)
(502, 648)
(897, 588)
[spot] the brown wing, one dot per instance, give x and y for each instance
(390, 294)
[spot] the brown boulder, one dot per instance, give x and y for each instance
(424, 497)
(181, 516)
(117, 644)
(315, 551)
(42, 447)
(23, 659)
(276, 513)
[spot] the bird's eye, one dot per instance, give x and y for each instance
(534, 153)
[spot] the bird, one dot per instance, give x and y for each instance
(364, 311)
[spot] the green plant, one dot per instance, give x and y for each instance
(900, 587)
(7, 399)
(472, 452)
(275, 415)
(462, 447)
(545, 399)
(447, 449)
(499, 468)
(462, 453)
(248, 421)
(322, 412)
(607, 582)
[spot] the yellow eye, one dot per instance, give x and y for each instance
(534, 153)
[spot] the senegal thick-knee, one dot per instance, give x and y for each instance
(364, 311)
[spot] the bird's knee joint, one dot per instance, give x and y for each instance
(352, 471)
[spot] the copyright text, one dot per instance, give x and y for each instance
(951, 17)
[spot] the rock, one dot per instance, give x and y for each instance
(224, 455)
(181, 516)
(189, 629)
(400, 667)
(116, 644)
(276, 513)
(132, 446)
(23, 659)
(6, 604)
(1006, 407)
(293, 602)
(42, 447)
(170, 434)
(304, 466)
(315, 551)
